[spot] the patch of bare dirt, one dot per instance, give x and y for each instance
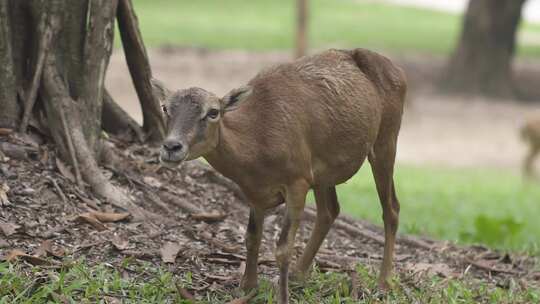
(196, 222)
(437, 130)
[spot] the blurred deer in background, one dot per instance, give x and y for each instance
(309, 124)
(530, 132)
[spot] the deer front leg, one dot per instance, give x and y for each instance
(253, 243)
(295, 200)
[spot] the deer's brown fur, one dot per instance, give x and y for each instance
(306, 124)
(530, 132)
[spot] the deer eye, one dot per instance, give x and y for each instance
(212, 114)
(164, 108)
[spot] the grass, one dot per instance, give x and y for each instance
(486, 206)
(269, 24)
(82, 283)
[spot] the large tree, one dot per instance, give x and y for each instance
(53, 59)
(482, 62)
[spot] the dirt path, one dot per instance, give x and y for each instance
(436, 130)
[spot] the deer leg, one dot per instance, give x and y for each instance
(253, 243)
(327, 212)
(295, 199)
(528, 164)
(382, 164)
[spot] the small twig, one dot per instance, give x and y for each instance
(88, 245)
(158, 202)
(490, 268)
(59, 190)
(368, 234)
(71, 148)
(182, 204)
(414, 241)
(36, 79)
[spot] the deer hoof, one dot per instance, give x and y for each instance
(384, 286)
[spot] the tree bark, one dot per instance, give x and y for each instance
(55, 53)
(116, 121)
(482, 61)
(301, 28)
(9, 116)
(140, 71)
(96, 53)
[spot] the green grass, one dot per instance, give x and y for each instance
(82, 283)
(269, 24)
(486, 206)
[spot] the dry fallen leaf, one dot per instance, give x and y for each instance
(209, 216)
(96, 218)
(64, 170)
(5, 131)
(16, 254)
(107, 217)
(4, 201)
(8, 228)
(169, 251)
(89, 219)
(152, 181)
(46, 248)
(120, 243)
(439, 269)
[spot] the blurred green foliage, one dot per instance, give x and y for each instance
(270, 24)
(488, 206)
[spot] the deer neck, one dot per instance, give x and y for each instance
(226, 158)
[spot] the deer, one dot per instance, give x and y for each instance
(306, 124)
(530, 133)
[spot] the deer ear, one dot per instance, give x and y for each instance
(159, 90)
(235, 98)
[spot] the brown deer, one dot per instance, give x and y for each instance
(309, 124)
(530, 132)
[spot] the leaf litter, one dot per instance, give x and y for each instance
(199, 226)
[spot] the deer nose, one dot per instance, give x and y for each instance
(172, 146)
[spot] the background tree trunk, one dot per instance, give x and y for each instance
(482, 61)
(301, 28)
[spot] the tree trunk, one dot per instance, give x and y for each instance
(482, 61)
(9, 116)
(62, 54)
(301, 28)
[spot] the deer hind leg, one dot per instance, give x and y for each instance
(382, 165)
(327, 211)
(295, 199)
(253, 243)
(528, 164)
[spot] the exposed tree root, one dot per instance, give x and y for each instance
(139, 68)
(71, 148)
(46, 31)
